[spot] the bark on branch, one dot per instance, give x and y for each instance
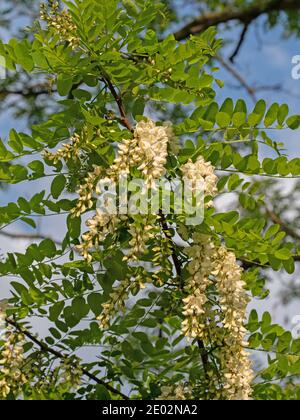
(284, 226)
(245, 16)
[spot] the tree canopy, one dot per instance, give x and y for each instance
(149, 304)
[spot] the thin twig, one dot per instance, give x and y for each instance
(240, 43)
(232, 70)
(46, 349)
(28, 236)
(278, 221)
(118, 98)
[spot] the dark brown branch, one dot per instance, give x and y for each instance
(252, 264)
(166, 231)
(46, 349)
(124, 119)
(245, 15)
(204, 358)
(240, 43)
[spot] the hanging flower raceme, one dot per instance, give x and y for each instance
(162, 257)
(199, 175)
(118, 297)
(151, 151)
(86, 191)
(202, 254)
(215, 307)
(176, 392)
(71, 372)
(123, 161)
(140, 234)
(235, 362)
(100, 226)
(12, 377)
(67, 152)
(147, 152)
(61, 21)
(201, 172)
(211, 267)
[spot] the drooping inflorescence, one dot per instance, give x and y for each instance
(215, 300)
(66, 152)
(71, 372)
(86, 191)
(201, 172)
(202, 254)
(235, 363)
(147, 152)
(61, 21)
(12, 377)
(215, 312)
(176, 392)
(215, 306)
(151, 151)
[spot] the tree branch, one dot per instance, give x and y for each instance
(46, 349)
(237, 76)
(246, 15)
(252, 264)
(28, 236)
(124, 119)
(240, 43)
(278, 221)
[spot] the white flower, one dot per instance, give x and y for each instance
(225, 326)
(201, 171)
(151, 151)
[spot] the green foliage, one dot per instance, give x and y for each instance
(120, 64)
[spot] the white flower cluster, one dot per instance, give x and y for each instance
(118, 298)
(147, 151)
(99, 226)
(71, 372)
(217, 267)
(140, 236)
(175, 392)
(150, 154)
(61, 21)
(162, 254)
(11, 360)
(201, 172)
(86, 191)
(202, 255)
(123, 161)
(67, 152)
(236, 366)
